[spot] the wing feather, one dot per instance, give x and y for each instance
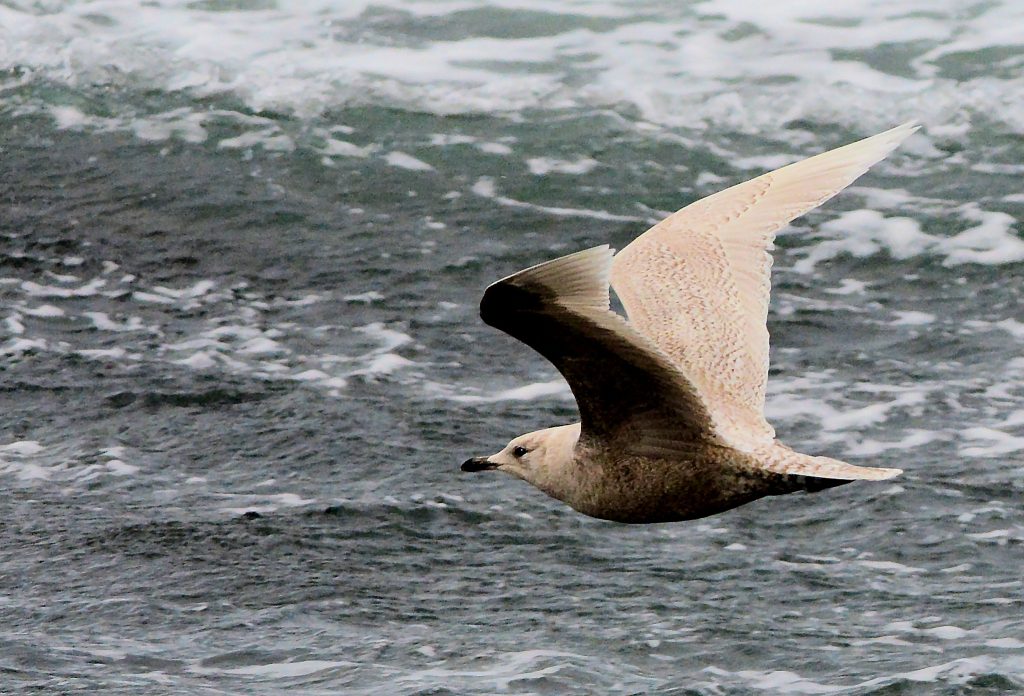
(697, 284)
(627, 391)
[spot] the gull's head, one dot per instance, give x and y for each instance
(542, 458)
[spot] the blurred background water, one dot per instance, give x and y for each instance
(242, 244)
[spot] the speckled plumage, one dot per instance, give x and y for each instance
(672, 401)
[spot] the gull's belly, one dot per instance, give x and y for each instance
(641, 490)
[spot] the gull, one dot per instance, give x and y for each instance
(671, 401)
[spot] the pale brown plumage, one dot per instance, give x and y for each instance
(672, 401)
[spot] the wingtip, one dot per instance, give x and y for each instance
(892, 138)
(906, 129)
(912, 125)
(580, 278)
(855, 158)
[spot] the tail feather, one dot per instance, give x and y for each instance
(812, 484)
(780, 459)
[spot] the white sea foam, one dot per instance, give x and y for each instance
(735, 63)
(389, 338)
(199, 289)
(311, 376)
(236, 335)
(120, 468)
(912, 318)
(266, 138)
(22, 448)
(365, 297)
(268, 502)
(786, 401)
(999, 536)
(911, 440)
(238, 339)
(405, 161)
(854, 417)
(341, 148)
(495, 148)
(864, 233)
(45, 311)
(14, 324)
(273, 670)
(485, 188)
(117, 353)
(946, 632)
(34, 464)
(775, 681)
(34, 289)
(955, 672)
(545, 165)
(499, 672)
(890, 567)
(261, 345)
(383, 364)
(286, 670)
(152, 297)
(103, 322)
(996, 439)
(17, 346)
(848, 286)
(1005, 643)
(527, 392)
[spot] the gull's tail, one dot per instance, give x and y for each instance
(811, 473)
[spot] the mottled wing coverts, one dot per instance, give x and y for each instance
(626, 390)
(697, 284)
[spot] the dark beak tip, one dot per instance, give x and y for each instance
(477, 464)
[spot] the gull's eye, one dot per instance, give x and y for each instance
(519, 452)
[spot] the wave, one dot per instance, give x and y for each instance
(720, 63)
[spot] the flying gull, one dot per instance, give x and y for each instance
(672, 401)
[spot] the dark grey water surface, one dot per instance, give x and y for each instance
(238, 380)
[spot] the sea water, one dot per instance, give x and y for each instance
(242, 244)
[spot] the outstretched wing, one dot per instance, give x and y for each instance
(627, 391)
(697, 284)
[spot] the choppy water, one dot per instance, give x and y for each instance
(241, 249)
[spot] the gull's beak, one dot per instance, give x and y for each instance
(478, 464)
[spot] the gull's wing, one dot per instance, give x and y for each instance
(627, 391)
(697, 283)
